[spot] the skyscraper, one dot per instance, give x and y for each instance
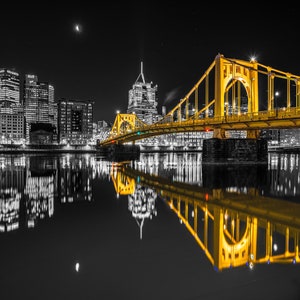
(37, 97)
(143, 99)
(9, 87)
(39, 106)
(11, 110)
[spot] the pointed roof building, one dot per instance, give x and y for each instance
(142, 99)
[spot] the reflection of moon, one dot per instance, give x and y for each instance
(77, 267)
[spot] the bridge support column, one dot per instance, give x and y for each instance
(219, 133)
(242, 150)
(120, 152)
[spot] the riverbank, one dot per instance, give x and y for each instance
(94, 149)
(48, 149)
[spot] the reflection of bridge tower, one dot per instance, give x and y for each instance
(233, 229)
(143, 99)
(235, 234)
(124, 185)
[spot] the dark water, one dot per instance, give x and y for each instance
(162, 227)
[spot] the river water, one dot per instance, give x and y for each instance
(163, 226)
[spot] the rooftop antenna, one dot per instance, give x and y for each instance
(141, 74)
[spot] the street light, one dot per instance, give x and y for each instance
(276, 97)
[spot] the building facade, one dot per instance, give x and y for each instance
(39, 108)
(9, 88)
(75, 122)
(11, 110)
(142, 99)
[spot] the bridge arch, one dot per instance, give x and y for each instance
(125, 123)
(230, 71)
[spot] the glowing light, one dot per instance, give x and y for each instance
(77, 28)
(275, 247)
(77, 267)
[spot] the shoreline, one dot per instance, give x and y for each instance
(98, 150)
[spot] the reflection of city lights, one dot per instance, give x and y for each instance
(77, 267)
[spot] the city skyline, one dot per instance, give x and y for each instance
(99, 59)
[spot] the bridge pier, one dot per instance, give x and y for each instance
(230, 150)
(120, 152)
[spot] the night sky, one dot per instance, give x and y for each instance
(176, 42)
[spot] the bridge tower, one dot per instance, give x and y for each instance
(229, 73)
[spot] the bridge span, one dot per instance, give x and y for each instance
(232, 94)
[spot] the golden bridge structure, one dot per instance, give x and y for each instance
(231, 95)
(233, 79)
(226, 225)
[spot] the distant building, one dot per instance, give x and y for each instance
(39, 106)
(101, 131)
(12, 125)
(75, 121)
(9, 88)
(143, 99)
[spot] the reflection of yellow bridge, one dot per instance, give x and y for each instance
(216, 101)
(236, 221)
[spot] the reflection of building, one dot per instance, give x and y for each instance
(141, 200)
(283, 178)
(39, 189)
(11, 188)
(9, 209)
(75, 179)
(142, 205)
(75, 121)
(39, 198)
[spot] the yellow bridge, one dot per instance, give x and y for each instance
(216, 101)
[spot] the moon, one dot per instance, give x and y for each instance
(77, 28)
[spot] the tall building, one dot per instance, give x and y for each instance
(38, 100)
(143, 99)
(9, 88)
(39, 108)
(75, 121)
